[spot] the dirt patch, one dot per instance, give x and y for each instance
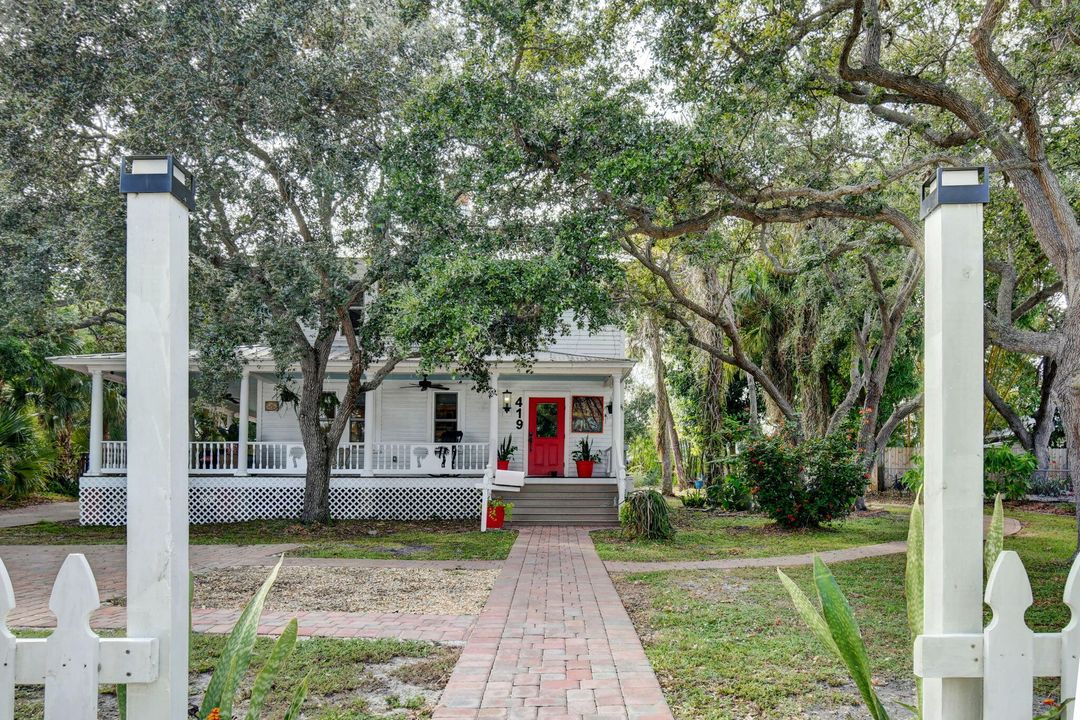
(402, 550)
(360, 590)
(894, 695)
(402, 688)
(432, 672)
(1046, 508)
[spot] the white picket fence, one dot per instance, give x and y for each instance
(1008, 655)
(73, 660)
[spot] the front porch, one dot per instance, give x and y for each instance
(416, 447)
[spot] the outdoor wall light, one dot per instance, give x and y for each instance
(954, 186)
(506, 401)
(610, 408)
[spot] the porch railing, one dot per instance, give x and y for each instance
(289, 458)
(429, 458)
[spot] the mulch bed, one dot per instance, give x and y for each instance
(419, 591)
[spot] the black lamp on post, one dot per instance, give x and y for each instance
(506, 400)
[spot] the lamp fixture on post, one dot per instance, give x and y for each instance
(506, 400)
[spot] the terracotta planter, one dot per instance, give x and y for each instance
(496, 517)
(502, 464)
(584, 468)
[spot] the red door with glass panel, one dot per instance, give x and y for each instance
(547, 435)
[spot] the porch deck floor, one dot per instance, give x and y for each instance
(553, 641)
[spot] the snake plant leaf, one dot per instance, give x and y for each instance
(264, 681)
(809, 613)
(913, 582)
(846, 636)
(297, 704)
(995, 537)
(236, 656)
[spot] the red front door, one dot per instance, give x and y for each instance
(547, 435)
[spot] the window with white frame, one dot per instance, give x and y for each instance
(446, 417)
(358, 421)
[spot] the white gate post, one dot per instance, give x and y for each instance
(160, 195)
(96, 421)
(952, 209)
(242, 424)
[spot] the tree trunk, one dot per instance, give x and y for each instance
(664, 455)
(676, 450)
(663, 410)
(317, 485)
(755, 415)
(319, 442)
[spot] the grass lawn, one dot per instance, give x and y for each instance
(419, 540)
(727, 644)
(347, 679)
(706, 535)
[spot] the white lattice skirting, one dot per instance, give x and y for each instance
(103, 500)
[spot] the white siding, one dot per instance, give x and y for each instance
(607, 342)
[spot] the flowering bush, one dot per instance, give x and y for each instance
(803, 485)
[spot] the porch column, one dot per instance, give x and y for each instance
(242, 425)
(493, 422)
(617, 433)
(953, 490)
(369, 436)
(96, 421)
(159, 197)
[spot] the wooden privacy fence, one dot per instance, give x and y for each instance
(1008, 655)
(73, 660)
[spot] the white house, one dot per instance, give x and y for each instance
(416, 447)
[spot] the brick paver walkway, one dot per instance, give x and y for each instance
(553, 641)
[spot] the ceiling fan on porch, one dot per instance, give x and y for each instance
(426, 384)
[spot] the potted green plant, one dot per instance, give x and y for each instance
(585, 458)
(506, 453)
(498, 512)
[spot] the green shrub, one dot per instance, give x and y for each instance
(1007, 472)
(731, 494)
(693, 499)
(803, 485)
(644, 514)
(26, 457)
(912, 480)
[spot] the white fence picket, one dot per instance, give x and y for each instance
(1008, 643)
(1070, 641)
(71, 673)
(7, 647)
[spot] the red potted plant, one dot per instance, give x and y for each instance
(506, 453)
(585, 458)
(498, 512)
